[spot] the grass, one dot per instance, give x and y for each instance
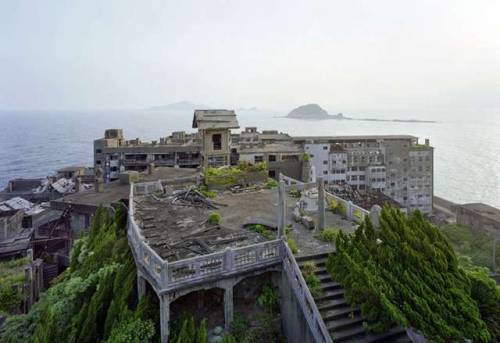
(312, 280)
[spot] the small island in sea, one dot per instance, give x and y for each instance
(313, 112)
(316, 112)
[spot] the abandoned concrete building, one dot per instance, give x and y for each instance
(206, 268)
(397, 166)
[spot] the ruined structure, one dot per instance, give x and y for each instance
(397, 166)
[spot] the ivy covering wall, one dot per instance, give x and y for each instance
(94, 300)
(406, 273)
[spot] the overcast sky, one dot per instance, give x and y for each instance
(270, 54)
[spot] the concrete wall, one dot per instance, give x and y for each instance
(293, 322)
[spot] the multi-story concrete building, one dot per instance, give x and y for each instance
(113, 154)
(396, 165)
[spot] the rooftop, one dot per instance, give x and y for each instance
(115, 191)
(354, 138)
(215, 119)
(177, 229)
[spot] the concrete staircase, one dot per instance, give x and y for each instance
(345, 323)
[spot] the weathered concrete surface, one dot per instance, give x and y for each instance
(293, 322)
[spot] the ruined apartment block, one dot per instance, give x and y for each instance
(395, 165)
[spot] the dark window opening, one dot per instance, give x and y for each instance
(272, 158)
(217, 141)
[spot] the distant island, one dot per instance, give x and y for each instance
(316, 112)
(178, 106)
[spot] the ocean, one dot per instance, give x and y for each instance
(466, 160)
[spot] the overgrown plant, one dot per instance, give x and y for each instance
(94, 300)
(406, 273)
(214, 218)
(312, 280)
(328, 235)
(262, 230)
(269, 299)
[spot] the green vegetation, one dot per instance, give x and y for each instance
(262, 230)
(293, 246)
(337, 207)
(228, 177)
(271, 183)
(294, 193)
(328, 234)
(214, 218)
(11, 282)
(269, 299)
(185, 330)
(306, 157)
(94, 300)
(312, 280)
(406, 273)
(203, 189)
(358, 214)
(472, 243)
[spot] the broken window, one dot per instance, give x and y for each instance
(217, 141)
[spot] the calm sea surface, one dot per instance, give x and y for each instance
(35, 144)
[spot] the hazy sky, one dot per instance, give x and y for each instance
(271, 54)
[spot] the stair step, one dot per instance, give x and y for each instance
(339, 313)
(345, 323)
(306, 258)
(392, 335)
(330, 285)
(352, 335)
(332, 304)
(324, 277)
(330, 294)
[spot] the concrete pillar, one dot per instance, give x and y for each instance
(321, 203)
(141, 285)
(228, 307)
(164, 317)
(374, 215)
(281, 209)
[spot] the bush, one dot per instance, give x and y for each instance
(294, 193)
(341, 209)
(269, 299)
(214, 218)
(262, 230)
(293, 246)
(328, 235)
(271, 183)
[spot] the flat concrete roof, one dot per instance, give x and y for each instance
(178, 231)
(354, 138)
(115, 191)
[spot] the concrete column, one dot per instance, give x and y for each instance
(164, 317)
(228, 307)
(281, 210)
(141, 285)
(321, 203)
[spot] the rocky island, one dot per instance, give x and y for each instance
(312, 112)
